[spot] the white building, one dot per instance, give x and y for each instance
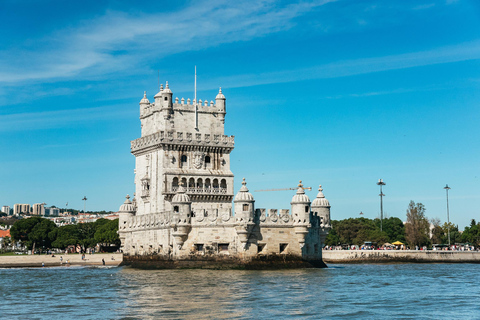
(21, 209)
(6, 209)
(184, 190)
(38, 209)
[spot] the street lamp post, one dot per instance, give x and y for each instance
(448, 214)
(381, 183)
(84, 204)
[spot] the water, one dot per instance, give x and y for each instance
(393, 291)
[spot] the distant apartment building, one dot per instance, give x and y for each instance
(38, 209)
(52, 211)
(21, 208)
(6, 209)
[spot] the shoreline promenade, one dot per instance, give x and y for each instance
(389, 256)
(73, 259)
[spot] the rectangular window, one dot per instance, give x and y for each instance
(260, 247)
(283, 247)
(245, 207)
(223, 247)
(199, 247)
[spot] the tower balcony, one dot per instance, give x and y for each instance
(204, 190)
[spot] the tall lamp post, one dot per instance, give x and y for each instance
(448, 214)
(381, 183)
(84, 204)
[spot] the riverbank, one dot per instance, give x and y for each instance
(21, 261)
(388, 256)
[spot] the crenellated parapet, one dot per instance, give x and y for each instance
(273, 217)
(147, 221)
(183, 139)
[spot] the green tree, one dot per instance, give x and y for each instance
(107, 232)
(417, 227)
(437, 232)
(35, 230)
(65, 236)
(394, 229)
(471, 234)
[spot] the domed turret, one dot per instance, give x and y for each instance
(320, 200)
(127, 206)
(220, 95)
(243, 194)
(182, 208)
(321, 207)
(220, 103)
(144, 99)
(300, 196)
(126, 211)
(181, 196)
(244, 214)
(244, 204)
(301, 213)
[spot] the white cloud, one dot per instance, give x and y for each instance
(117, 40)
(61, 118)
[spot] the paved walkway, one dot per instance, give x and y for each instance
(111, 259)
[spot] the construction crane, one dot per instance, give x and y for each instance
(284, 189)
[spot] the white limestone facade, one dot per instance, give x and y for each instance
(182, 209)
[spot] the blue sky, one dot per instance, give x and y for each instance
(338, 93)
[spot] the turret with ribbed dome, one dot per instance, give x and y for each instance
(244, 201)
(244, 214)
(181, 221)
(127, 210)
(220, 103)
(321, 207)
(301, 214)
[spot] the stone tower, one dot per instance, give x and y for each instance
(183, 143)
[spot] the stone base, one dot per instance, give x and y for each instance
(260, 262)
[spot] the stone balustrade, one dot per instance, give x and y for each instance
(199, 190)
(182, 138)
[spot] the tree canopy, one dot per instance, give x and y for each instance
(417, 227)
(44, 233)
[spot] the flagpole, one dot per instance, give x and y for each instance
(195, 99)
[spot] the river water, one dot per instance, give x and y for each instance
(368, 291)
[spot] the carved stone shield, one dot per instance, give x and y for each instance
(198, 158)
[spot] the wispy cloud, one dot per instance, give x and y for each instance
(447, 54)
(61, 118)
(118, 40)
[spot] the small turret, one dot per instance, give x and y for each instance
(126, 211)
(220, 102)
(301, 206)
(144, 103)
(321, 207)
(244, 208)
(181, 222)
(301, 214)
(244, 214)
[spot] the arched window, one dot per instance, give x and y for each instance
(184, 159)
(175, 209)
(223, 184)
(207, 159)
(175, 184)
(191, 183)
(166, 98)
(199, 183)
(184, 182)
(245, 207)
(208, 184)
(215, 183)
